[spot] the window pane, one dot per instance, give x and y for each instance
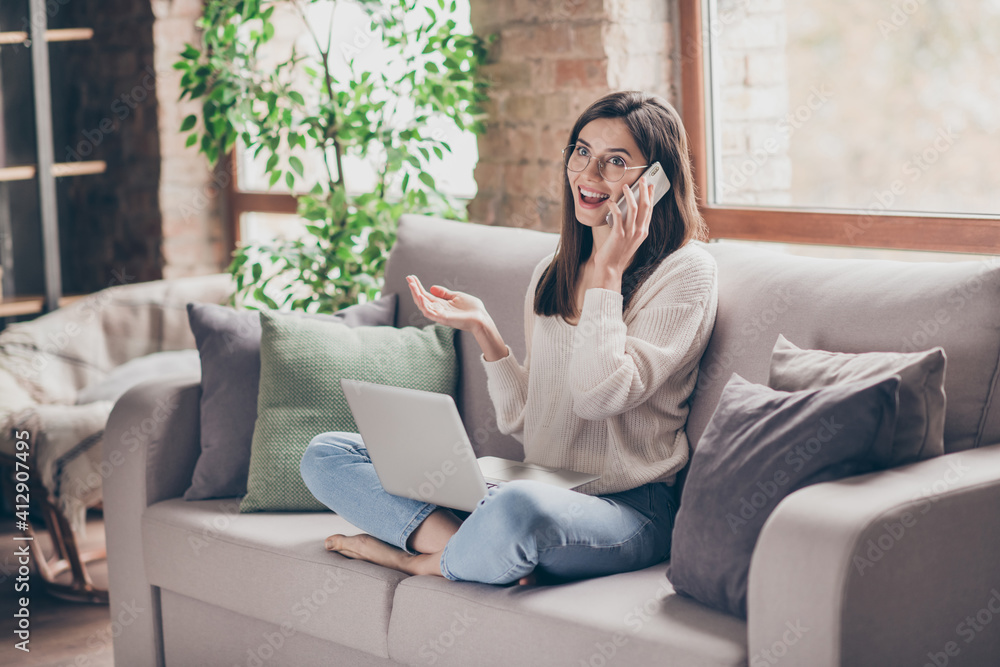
(856, 104)
(351, 29)
(266, 227)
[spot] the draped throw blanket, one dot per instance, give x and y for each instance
(44, 363)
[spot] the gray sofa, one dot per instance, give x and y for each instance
(197, 583)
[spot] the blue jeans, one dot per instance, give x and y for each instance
(519, 526)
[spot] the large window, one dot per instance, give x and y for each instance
(852, 123)
(261, 213)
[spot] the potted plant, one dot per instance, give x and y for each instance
(304, 108)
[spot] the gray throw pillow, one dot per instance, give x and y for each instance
(920, 425)
(759, 446)
(229, 345)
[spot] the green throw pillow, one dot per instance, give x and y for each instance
(301, 363)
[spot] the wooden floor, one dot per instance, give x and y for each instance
(62, 633)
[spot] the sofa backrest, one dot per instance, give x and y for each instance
(492, 263)
(854, 305)
(831, 304)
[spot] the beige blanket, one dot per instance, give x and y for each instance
(45, 362)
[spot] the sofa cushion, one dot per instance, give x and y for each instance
(229, 347)
(920, 421)
(848, 305)
(634, 618)
(760, 446)
(269, 566)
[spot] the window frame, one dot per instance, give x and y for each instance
(251, 201)
(840, 227)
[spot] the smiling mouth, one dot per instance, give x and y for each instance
(591, 198)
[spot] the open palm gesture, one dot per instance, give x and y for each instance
(453, 309)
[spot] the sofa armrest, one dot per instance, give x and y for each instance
(151, 444)
(896, 567)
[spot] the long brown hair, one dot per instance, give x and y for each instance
(657, 129)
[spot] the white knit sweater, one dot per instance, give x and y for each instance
(609, 395)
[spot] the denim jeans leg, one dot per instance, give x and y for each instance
(337, 470)
(522, 525)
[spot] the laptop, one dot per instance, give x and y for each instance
(420, 449)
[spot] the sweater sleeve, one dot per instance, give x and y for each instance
(507, 380)
(616, 367)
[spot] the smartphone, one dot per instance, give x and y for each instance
(654, 175)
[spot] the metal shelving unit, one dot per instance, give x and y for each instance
(44, 172)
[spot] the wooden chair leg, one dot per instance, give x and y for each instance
(67, 556)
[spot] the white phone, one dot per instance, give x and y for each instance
(661, 185)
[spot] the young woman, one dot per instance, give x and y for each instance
(617, 319)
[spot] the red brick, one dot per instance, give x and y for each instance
(552, 139)
(483, 209)
(189, 170)
(578, 74)
(522, 143)
(519, 212)
(588, 40)
(528, 11)
(521, 108)
(489, 176)
(543, 75)
(190, 9)
(552, 38)
(577, 9)
(554, 106)
(491, 144)
(178, 228)
(514, 181)
(550, 216)
(485, 16)
(518, 42)
(551, 180)
(507, 74)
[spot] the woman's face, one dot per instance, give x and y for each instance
(606, 138)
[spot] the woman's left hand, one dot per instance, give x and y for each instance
(627, 235)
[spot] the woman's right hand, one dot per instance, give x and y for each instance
(452, 309)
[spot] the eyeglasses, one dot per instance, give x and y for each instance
(611, 167)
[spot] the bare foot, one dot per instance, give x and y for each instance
(527, 580)
(371, 549)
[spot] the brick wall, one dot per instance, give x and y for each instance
(107, 102)
(195, 240)
(156, 212)
(552, 59)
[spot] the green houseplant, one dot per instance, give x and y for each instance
(302, 107)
